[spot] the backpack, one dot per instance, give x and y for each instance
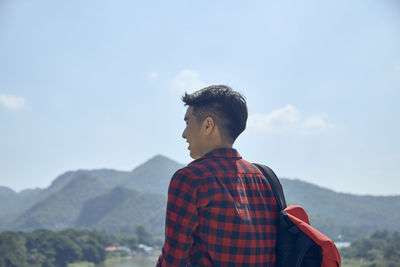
(298, 243)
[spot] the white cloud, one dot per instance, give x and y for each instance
(316, 123)
(187, 80)
(278, 120)
(287, 119)
(397, 68)
(12, 102)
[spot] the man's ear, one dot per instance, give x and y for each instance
(209, 125)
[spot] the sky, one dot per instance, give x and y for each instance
(97, 84)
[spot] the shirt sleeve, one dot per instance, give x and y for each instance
(180, 222)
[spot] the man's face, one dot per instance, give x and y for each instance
(192, 134)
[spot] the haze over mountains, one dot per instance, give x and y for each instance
(117, 201)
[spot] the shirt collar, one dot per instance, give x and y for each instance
(220, 153)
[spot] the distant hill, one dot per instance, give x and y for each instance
(118, 201)
(62, 208)
(13, 204)
(121, 210)
(152, 176)
(126, 199)
(7, 196)
(110, 178)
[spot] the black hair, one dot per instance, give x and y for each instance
(227, 107)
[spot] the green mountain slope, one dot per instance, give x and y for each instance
(58, 206)
(61, 209)
(7, 195)
(153, 176)
(109, 177)
(122, 209)
(13, 204)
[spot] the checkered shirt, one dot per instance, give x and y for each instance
(220, 212)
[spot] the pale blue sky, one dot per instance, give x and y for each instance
(97, 84)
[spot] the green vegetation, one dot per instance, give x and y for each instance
(380, 249)
(46, 248)
(121, 210)
(12, 252)
(60, 210)
(107, 200)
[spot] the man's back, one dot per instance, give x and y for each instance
(221, 212)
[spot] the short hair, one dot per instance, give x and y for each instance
(227, 107)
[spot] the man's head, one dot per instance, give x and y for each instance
(215, 117)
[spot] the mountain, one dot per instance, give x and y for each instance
(122, 209)
(118, 201)
(7, 195)
(61, 209)
(109, 177)
(13, 204)
(106, 199)
(153, 176)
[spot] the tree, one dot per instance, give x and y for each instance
(66, 251)
(58, 250)
(12, 253)
(92, 249)
(380, 249)
(143, 236)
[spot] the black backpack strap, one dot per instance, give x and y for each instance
(275, 185)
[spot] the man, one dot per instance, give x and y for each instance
(221, 210)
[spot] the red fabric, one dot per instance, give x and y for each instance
(220, 212)
(298, 212)
(330, 254)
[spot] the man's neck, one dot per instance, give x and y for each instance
(217, 146)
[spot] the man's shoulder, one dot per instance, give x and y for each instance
(193, 169)
(185, 176)
(198, 169)
(247, 167)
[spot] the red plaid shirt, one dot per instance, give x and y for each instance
(221, 212)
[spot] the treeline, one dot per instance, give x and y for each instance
(380, 249)
(46, 248)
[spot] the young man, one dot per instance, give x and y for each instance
(221, 210)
